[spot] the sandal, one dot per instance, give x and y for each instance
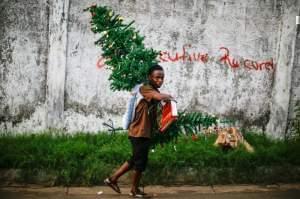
(138, 194)
(112, 185)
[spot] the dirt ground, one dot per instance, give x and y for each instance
(288, 191)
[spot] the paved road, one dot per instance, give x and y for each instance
(182, 192)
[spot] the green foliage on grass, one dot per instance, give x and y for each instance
(86, 159)
(186, 124)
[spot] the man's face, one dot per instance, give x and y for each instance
(157, 78)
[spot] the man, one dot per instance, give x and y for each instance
(140, 130)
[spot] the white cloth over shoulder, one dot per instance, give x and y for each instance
(134, 100)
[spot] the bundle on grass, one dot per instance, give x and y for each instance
(232, 138)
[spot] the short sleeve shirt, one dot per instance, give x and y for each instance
(145, 119)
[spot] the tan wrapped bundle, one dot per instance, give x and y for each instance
(232, 138)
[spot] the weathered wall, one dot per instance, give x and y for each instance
(234, 59)
(295, 92)
(23, 60)
(295, 84)
(284, 89)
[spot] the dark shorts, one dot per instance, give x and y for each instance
(140, 150)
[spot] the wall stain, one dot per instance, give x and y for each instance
(23, 112)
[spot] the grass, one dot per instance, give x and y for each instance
(86, 159)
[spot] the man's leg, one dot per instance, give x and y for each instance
(121, 171)
(112, 181)
(140, 163)
(136, 181)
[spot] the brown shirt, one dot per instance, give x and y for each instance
(145, 119)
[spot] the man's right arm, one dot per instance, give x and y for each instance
(162, 96)
(149, 93)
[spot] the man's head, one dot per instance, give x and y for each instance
(156, 76)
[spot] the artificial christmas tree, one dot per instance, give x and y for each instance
(127, 57)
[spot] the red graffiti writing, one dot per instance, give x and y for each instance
(228, 60)
(255, 65)
(247, 63)
(100, 62)
(166, 56)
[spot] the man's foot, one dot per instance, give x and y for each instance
(138, 194)
(112, 185)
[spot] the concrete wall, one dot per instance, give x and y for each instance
(236, 59)
(23, 63)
